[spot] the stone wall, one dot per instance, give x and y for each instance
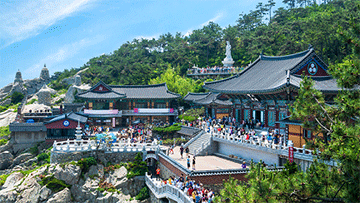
(167, 169)
(28, 137)
(113, 157)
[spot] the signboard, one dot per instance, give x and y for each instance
(66, 123)
(171, 110)
(136, 110)
(291, 154)
(98, 112)
(160, 110)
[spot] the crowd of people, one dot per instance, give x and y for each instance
(244, 130)
(136, 133)
(193, 189)
(214, 69)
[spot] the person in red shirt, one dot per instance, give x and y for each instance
(158, 173)
(190, 191)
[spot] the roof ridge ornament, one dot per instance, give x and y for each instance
(310, 46)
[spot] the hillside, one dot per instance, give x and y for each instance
(290, 30)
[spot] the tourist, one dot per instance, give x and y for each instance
(181, 151)
(188, 162)
(243, 164)
(193, 162)
(158, 173)
(187, 151)
(171, 151)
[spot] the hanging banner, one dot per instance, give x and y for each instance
(113, 122)
(291, 154)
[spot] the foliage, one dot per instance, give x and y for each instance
(177, 83)
(31, 101)
(34, 150)
(178, 140)
(192, 114)
(4, 131)
(54, 184)
(43, 157)
(85, 164)
(3, 179)
(3, 141)
(16, 97)
(143, 194)
(167, 129)
(136, 168)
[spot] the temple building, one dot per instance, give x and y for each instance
(266, 88)
(114, 105)
(216, 105)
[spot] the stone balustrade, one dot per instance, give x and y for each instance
(91, 145)
(166, 191)
(300, 153)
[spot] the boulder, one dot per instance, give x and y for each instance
(29, 191)
(108, 198)
(6, 160)
(69, 174)
(64, 196)
(83, 194)
(96, 170)
(44, 193)
(8, 195)
(116, 175)
(131, 186)
(22, 158)
(13, 180)
(5, 102)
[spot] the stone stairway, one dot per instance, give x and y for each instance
(197, 143)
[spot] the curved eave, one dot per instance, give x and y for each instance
(273, 90)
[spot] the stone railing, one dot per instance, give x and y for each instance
(91, 145)
(166, 191)
(230, 171)
(194, 138)
(300, 153)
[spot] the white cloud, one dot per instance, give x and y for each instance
(62, 54)
(19, 21)
(214, 19)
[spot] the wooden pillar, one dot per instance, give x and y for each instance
(90, 105)
(167, 104)
(148, 104)
(152, 104)
(111, 105)
(129, 105)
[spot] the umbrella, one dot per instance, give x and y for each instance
(113, 136)
(264, 133)
(99, 136)
(30, 121)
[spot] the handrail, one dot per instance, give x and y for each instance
(174, 163)
(90, 145)
(168, 191)
(194, 138)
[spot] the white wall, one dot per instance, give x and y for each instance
(248, 154)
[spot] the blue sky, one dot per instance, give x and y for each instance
(67, 33)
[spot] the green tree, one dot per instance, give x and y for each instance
(16, 97)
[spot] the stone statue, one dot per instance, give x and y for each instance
(228, 61)
(228, 50)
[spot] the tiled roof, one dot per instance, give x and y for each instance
(158, 91)
(189, 131)
(268, 74)
(206, 99)
(195, 96)
(72, 116)
(101, 95)
(30, 127)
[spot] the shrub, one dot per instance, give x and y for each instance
(31, 101)
(3, 178)
(16, 97)
(43, 157)
(34, 150)
(3, 142)
(54, 184)
(86, 163)
(136, 168)
(4, 130)
(143, 194)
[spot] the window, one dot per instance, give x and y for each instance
(307, 134)
(140, 105)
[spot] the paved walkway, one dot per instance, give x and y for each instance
(205, 162)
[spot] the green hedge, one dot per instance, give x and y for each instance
(4, 130)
